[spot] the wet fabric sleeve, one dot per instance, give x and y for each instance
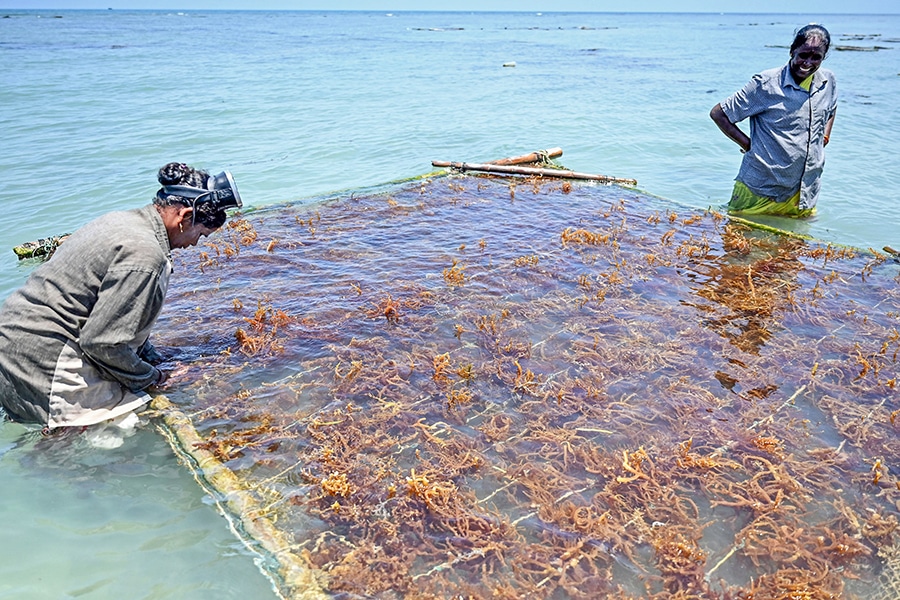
(128, 303)
(148, 352)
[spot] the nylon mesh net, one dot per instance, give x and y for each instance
(475, 386)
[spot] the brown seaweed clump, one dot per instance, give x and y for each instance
(449, 390)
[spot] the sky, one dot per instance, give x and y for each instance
(713, 6)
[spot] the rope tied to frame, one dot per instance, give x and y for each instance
(42, 248)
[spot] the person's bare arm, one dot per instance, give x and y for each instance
(732, 131)
(828, 126)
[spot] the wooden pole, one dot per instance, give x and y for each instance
(515, 170)
(42, 248)
(541, 156)
(236, 501)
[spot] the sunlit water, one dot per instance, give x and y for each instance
(303, 104)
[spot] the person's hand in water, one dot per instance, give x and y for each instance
(170, 376)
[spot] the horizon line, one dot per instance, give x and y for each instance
(473, 10)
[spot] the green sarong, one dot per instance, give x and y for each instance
(744, 201)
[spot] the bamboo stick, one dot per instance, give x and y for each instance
(785, 232)
(41, 248)
(516, 170)
(538, 156)
(297, 577)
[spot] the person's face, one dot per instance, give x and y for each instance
(806, 59)
(193, 235)
(188, 234)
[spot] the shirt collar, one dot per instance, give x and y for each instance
(787, 80)
(159, 228)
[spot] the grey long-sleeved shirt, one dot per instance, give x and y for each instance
(70, 337)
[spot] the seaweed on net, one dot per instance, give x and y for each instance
(471, 386)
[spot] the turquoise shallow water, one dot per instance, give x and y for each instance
(305, 104)
(81, 522)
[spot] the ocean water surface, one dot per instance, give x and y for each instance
(304, 105)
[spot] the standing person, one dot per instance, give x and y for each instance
(791, 111)
(74, 340)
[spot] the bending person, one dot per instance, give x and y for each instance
(74, 340)
(791, 111)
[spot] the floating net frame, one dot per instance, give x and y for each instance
(632, 465)
(291, 577)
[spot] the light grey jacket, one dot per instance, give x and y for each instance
(71, 337)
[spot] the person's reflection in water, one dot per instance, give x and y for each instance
(748, 285)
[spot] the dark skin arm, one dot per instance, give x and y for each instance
(732, 131)
(828, 126)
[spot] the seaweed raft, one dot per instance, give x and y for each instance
(470, 386)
